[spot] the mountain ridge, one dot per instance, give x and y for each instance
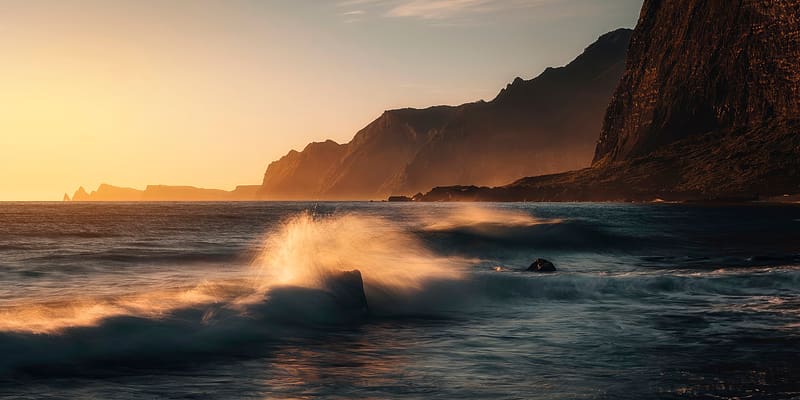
(541, 125)
(708, 109)
(545, 124)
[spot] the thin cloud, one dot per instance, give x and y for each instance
(357, 3)
(436, 10)
(439, 9)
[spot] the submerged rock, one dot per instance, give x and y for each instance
(338, 301)
(347, 290)
(542, 265)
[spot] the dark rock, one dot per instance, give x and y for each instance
(339, 301)
(347, 290)
(399, 199)
(708, 109)
(700, 66)
(542, 265)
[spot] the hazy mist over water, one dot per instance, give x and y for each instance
(235, 300)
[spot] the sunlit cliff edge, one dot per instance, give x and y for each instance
(544, 125)
(708, 109)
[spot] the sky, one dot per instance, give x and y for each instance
(209, 92)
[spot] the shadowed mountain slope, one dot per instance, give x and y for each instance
(707, 109)
(544, 125)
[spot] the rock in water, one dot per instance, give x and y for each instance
(542, 265)
(347, 290)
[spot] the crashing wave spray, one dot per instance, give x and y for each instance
(55, 316)
(473, 216)
(308, 251)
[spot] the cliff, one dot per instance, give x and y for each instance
(543, 125)
(301, 174)
(702, 66)
(380, 151)
(707, 109)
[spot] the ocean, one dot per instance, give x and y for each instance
(254, 300)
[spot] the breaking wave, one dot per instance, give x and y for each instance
(302, 283)
(298, 281)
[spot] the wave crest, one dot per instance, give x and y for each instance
(308, 249)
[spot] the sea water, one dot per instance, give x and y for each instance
(234, 301)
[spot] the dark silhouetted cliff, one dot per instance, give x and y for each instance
(544, 125)
(707, 109)
(702, 66)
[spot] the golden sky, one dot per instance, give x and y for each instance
(207, 93)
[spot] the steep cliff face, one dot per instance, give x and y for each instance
(358, 169)
(708, 108)
(716, 166)
(301, 175)
(381, 150)
(543, 125)
(698, 66)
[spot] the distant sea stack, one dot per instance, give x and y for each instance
(544, 125)
(80, 195)
(707, 109)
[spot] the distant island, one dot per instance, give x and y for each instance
(106, 192)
